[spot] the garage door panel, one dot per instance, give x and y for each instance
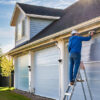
(93, 71)
(22, 68)
(46, 51)
(50, 75)
(45, 60)
(45, 90)
(47, 73)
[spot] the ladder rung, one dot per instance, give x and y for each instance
(68, 94)
(80, 80)
(70, 85)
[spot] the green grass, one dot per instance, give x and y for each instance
(5, 94)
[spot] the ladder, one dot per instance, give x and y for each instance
(70, 88)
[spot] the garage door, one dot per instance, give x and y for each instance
(47, 73)
(22, 73)
(91, 59)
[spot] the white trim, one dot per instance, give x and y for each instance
(13, 14)
(15, 83)
(43, 16)
(17, 6)
(31, 73)
(62, 68)
(20, 9)
(28, 27)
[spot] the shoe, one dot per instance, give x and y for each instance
(79, 80)
(72, 83)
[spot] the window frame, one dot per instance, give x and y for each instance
(20, 30)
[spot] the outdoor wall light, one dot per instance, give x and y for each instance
(60, 60)
(29, 67)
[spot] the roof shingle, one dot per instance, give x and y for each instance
(40, 10)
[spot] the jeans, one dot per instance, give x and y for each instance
(74, 59)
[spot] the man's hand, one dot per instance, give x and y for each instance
(91, 33)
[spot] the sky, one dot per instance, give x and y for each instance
(6, 11)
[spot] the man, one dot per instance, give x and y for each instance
(74, 48)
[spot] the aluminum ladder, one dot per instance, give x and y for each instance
(70, 88)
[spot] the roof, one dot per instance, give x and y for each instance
(79, 12)
(40, 10)
(36, 11)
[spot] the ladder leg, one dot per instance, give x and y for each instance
(64, 97)
(66, 92)
(70, 97)
(88, 85)
(72, 92)
(83, 87)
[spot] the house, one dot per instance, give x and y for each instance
(40, 53)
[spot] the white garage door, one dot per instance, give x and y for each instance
(47, 73)
(22, 73)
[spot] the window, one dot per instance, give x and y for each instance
(23, 28)
(20, 32)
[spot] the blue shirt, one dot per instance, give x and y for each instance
(75, 43)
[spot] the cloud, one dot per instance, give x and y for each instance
(6, 32)
(7, 2)
(7, 47)
(14, 1)
(47, 3)
(6, 15)
(53, 3)
(6, 39)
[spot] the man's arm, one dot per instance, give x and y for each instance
(91, 33)
(84, 38)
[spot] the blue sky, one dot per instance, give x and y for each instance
(6, 11)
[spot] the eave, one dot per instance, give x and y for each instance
(43, 16)
(64, 34)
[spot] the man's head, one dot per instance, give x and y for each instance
(74, 32)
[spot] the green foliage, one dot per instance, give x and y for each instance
(0, 59)
(6, 66)
(0, 64)
(0, 52)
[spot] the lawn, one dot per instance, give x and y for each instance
(5, 94)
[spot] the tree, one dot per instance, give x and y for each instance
(0, 52)
(7, 67)
(0, 59)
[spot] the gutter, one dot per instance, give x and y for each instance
(84, 24)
